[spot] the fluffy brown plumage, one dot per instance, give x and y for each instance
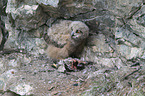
(71, 34)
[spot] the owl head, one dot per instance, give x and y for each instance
(79, 30)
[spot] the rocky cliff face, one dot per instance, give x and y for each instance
(116, 43)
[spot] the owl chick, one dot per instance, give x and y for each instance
(71, 34)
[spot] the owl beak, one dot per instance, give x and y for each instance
(72, 33)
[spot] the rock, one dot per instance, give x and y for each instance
(124, 36)
(22, 89)
(128, 45)
(122, 5)
(3, 32)
(105, 78)
(139, 18)
(100, 45)
(0, 36)
(38, 33)
(130, 52)
(2, 84)
(130, 38)
(5, 77)
(10, 93)
(96, 73)
(2, 66)
(26, 17)
(137, 27)
(13, 61)
(53, 3)
(97, 47)
(3, 4)
(34, 45)
(61, 69)
(143, 56)
(50, 7)
(111, 62)
(72, 8)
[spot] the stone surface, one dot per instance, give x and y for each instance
(130, 37)
(97, 47)
(3, 4)
(0, 36)
(26, 17)
(130, 52)
(25, 40)
(53, 3)
(22, 89)
(115, 47)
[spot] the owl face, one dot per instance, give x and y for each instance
(79, 31)
(76, 34)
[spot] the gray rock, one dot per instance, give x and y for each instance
(111, 62)
(61, 69)
(2, 65)
(130, 37)
(97, 47)
(136, 23)
(53, 3)
(105, 80)
(5, 77)
(122, 6)
(100, 45)
(130, 52)
(3, 4)
(0, 36)
(22, 89)
(10, 93)
(25, 17)
(25, 41)
(143, 56)
(72, 8)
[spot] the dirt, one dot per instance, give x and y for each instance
(46, 80)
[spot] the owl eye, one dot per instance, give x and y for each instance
(78, 31)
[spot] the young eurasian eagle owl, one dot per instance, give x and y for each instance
(71, 34)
